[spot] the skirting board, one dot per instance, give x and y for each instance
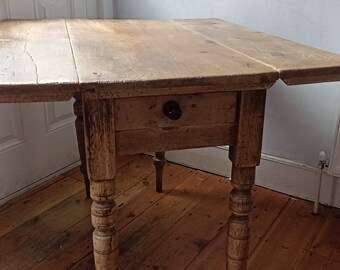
(275, 173)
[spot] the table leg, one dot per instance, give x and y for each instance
(238, 227)
(245, 155)
(159, 161)
(79, 123)
(100, 155)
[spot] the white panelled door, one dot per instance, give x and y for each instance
(38, 139)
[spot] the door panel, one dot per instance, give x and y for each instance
(58, 115)
(11, 131)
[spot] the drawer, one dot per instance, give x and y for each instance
(143, 124)
(195, 110)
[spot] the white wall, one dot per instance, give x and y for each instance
(301, 120)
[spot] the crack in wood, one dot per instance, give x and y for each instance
(35, 65)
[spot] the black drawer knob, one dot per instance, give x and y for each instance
(172, 110)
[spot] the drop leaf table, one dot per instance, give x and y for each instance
(144, 86)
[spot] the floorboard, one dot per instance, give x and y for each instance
(182, 228)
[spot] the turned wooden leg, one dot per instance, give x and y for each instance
(79, 123)
(159, 161)
(245, 155)
(101, 154)
(240, 204)
(104, 219)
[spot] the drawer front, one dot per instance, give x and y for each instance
(196, 110)
(162, 139)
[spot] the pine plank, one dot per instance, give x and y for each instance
(327, 243)
(173, 175)
(192, 233)
(37, 203)
(285, 245)
(73, 171)
(132, 173)
(267, 207)
(121, 161)
(31, 192)
(34, 67)
(72, 244)
(197, 110)
(143, 197)
(128, 175)
(166, 55)
(24, 246)
(67, 248)
(313, 261)
(54, 220)
(295, 62)
(172, 138)
(138, 235)
(140, 54)
(77, 241)
(182, 228)
(87, 263)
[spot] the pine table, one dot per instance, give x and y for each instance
(143, 86)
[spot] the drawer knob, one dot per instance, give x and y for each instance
(172, 110)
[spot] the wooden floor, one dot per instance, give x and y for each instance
(182, 228)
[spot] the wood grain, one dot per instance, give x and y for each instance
(121, 161)
(159, 161)
(245, 154)
(267, 208)
(197, 109)
(327, 242)
(151, 54)
(240, 205)
(250, 118)
(36, 61)
(59, 236)
(296, 63)
(21, 211)
(101, 161)
(289, 239)
(108, 60)
(313, 261)
(172, 138)
(37, 234)
(137, 239)
(184, 239)
(135, 58)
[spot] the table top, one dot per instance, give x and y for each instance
(54, 59)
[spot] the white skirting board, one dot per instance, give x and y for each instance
(275, 173)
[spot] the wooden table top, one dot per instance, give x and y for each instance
(54, 59)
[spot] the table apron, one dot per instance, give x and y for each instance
(172, 138)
